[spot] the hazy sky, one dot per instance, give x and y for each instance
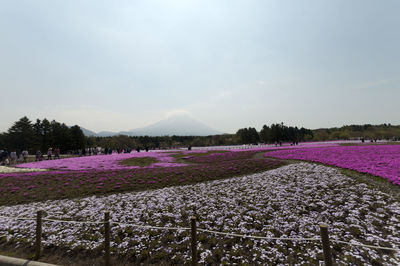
(119, 65)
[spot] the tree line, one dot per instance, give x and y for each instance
(366, 131)
(42, 134)
(273, 134)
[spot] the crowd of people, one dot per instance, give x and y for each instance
(12, 158)
(105, 151)
(51, 154)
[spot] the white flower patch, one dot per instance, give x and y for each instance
(287, 202)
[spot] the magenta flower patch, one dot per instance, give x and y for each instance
(102, 162)
(378, 160)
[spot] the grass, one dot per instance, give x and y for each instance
(181, 157)
(139, 161)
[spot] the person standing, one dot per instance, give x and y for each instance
(20, 159)
(37, 156)
(49, 153)
(57, 153)
(25, 155)
(5, 157)
(13, 157)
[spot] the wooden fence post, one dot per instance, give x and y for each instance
(38, 244)
(107, 238)
(194, 240)
(325, 244)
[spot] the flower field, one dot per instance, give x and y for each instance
(102, 162)
(106, 175)
(378, 160)
(242, 191)
(286, 202)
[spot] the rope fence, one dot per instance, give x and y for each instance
(107, 224)
(365, 246)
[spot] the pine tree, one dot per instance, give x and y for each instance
(21, 135)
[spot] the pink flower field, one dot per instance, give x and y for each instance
(164, 158)
(100, 174)
(102, 162)
(378, 160)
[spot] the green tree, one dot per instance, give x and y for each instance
(265, 134)
(253, 135)
(3, 140)
(248, 135)
(243, 135)
(77, 138)
(38, 135)
(60, 136)
(21, 135)
(46, 134)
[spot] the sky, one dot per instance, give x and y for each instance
(120, 65)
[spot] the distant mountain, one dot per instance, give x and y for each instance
(106, 134)
(180, 125)
(88, 132)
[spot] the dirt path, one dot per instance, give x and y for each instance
(10, 169)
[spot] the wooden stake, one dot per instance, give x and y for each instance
(325, 244)
(38, 244)
(194, 240)
(107, 238)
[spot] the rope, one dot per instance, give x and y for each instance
(51, 220)
(16, 218)
(259, 237)
(153, 227)
(366, 246)
(72, 222)
(205, 231)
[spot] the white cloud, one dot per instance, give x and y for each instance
(175, 112)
